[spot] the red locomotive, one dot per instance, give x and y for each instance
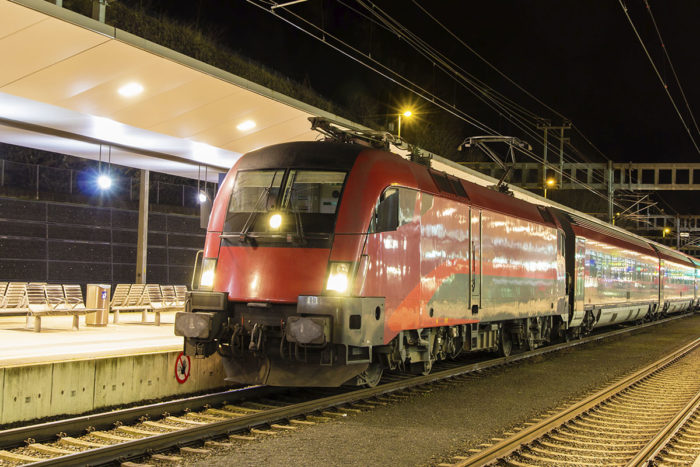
(327, 263)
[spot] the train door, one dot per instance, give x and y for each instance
(475, 268)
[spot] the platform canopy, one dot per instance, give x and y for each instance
(73, 85)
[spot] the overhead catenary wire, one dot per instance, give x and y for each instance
(459, 75)
(493, 67)
(656, 71)
(670, 63)
(375, 66)
(356, 55)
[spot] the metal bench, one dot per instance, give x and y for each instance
(50, 300)
(181, 294)
(14, 302)
(158, 303)
(133, 300)
(3, 287)
(170, 298)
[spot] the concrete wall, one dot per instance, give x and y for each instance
(69, 388)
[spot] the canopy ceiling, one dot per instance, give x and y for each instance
(62, 87)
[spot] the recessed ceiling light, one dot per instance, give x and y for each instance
(247, 125)
(131, 89)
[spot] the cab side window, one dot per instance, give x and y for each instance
(386, 213)
(395, 207)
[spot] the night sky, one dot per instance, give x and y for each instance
(579, 57)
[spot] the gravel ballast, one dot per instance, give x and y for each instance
(426, 429)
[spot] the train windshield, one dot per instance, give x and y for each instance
(305, 201)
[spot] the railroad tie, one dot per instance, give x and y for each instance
(135, 464)
(186, 421)
(188, 450)
(277, 426)
(241, 437)
(70, 441)
(364, 406)
(12, 457)
(238, 408)
(166, 458)
(211, 418)
(136, 431)
(258, 431)
(301, 422)
(217, 444)
(109, 436)
(162, 426)
(224, 413)
(316, 418)
(334, 414)
(44, 449)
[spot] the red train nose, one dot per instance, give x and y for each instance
(270, 274)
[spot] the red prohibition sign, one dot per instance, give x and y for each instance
(183, 364)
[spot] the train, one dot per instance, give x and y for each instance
(327, 263)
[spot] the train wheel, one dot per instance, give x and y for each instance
(427, 367)
(422, 368)
(505, 346)
(371, 376)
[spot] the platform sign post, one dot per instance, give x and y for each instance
(183, 366)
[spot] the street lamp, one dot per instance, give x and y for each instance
(406, 113)
(549, 184)
(667, 230)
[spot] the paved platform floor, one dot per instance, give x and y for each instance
(57, 342)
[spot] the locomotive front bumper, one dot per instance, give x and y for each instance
(351, 321)
(209, 319)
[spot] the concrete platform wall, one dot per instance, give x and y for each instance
(64, 388)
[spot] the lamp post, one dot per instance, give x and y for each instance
(549, 184)
(406, 113)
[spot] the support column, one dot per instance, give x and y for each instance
(142, 241)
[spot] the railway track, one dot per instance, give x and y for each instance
(648, 418)
(218, 420)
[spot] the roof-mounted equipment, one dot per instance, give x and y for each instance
(507, 163)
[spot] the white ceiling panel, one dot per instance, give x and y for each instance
(15, 18)
(61, 79)
(39, 47)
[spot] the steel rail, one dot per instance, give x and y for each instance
(160, 442)
(43, 432)
(536, 431)
(666, 434)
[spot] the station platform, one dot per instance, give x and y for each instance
(59, 371)
(57, 342)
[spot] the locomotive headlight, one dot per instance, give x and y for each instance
(206, 280)
(338, 277)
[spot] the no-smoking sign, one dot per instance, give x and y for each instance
(183, 366)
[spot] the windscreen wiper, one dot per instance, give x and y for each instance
(253, 214)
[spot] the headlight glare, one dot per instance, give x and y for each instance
(338, 277)
(206, 280)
